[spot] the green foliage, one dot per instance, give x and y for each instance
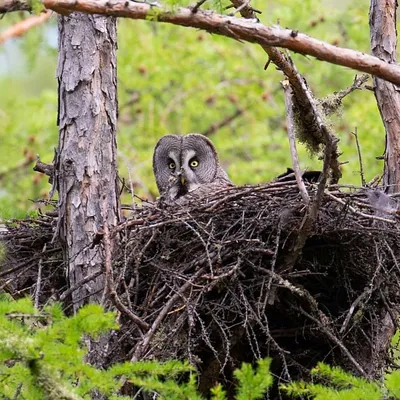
(179, 80)
(337, 384)
(395, 348)
(42, 357)
(42, 352)
(252, 385)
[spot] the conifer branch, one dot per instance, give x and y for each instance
(236, 28)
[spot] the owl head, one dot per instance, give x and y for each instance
(181, 164)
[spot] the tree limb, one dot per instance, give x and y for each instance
(382, 20)
(292, 141)
(23, 26)
(14, 5)
(236, 28)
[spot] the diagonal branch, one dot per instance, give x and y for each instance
(23, 26)
(14, 5)
(236, 28)
(292, 141)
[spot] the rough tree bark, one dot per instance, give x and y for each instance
(383, 45)
(85, 165)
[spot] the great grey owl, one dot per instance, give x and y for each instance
(187, 167)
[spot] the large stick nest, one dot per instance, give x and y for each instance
(240, 276)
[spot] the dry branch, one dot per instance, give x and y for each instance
(213, 128)
(14, 5)
(236, 28)
(292, 142)
(22, 27)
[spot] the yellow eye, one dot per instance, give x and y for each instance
(171, 165)
(194, 163)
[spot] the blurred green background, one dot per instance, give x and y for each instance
(180, 80)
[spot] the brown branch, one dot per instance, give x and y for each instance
(47, 169)
(292, 141)
(79, 284)
(324, 328)
(236, 28)
(142, 346)
(14, 5)
(331, 103)
(360, 161)
(22, 27)
(218, 125)
(245, 9)
(110, 285)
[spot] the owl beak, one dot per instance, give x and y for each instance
(182, 179)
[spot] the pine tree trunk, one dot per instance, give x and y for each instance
(382, 20)
(85, 167)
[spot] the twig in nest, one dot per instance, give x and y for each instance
(110, 286)
(218, 125)
(352, 209)
(334, 339)
(142, 346)
(389, 309)
(355, 133)
(39, 278)
(292, 141)
(72, 289)
(329, 151)
(366, 293)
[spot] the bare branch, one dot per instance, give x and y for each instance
(237, 28)
(142, 346)
(22, 27)
(324, 328)
(110, 285)
(292, 142)
(220, 124)
(363, 182)
(14, 5)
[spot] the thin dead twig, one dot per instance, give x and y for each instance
(79, 284)
(367, 292)
(142, 346)
(197, 6)
(110, 286)
(213, 128)
(292, 141)
(334, 339)
(352, 209)
(355, 134)
(245, 30)
(39, 278)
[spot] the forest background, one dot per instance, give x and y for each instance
(177, 80)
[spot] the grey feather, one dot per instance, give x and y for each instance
(187, 166)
